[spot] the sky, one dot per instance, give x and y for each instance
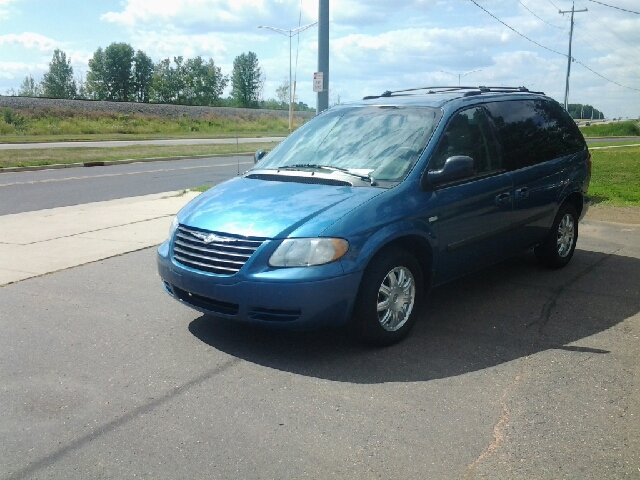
(375, 45)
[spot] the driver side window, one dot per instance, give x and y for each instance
(468, 133)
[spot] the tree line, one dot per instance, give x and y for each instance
(121, 74)
(580, 111)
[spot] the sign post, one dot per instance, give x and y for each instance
(318, 82)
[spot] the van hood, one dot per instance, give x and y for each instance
(272, 209)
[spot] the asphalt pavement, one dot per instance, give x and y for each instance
(43, 189)
(516, 372)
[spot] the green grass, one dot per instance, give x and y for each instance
(59, 125)
(51, 156)
(615, 176)
(201, 188)
(629, 128)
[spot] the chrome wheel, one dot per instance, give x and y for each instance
(566, 234)
(396, 298)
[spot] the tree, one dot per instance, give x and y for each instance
(58, 82)
(204, 82)
(82, 88)
(580, 111)
(119, 74)
(246, 80)
(118, 62)
(95, 84)
(168, 82)
(142, 76)
(282, 92)
(161, 84)
(29, 87)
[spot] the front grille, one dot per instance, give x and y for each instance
(223, 254)
(206, 303)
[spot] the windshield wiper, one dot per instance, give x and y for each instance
(367, 178)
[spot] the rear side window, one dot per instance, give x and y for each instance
(533, 131)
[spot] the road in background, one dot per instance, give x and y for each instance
(127, 143)
(37, 190)
(595, 140)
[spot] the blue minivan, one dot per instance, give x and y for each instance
(353, 217)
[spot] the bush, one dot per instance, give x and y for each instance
(12, 118)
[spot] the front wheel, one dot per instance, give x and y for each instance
(557, 249)
(389, 295)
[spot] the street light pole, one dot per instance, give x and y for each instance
(461, 74)
(290, 34)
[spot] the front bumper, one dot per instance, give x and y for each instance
(292, 303)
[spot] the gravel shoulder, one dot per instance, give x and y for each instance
(609, 213)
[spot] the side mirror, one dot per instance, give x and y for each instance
(259, 155)
(455, 168)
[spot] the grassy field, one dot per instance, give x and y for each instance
(630, 128)
(615, 176)
(51, 156)
(61, 125)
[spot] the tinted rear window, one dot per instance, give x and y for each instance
(534, 131)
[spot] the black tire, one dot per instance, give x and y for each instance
(557, 249)
(391, 325)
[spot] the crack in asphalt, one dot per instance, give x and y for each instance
(109, 427)
(544, 317)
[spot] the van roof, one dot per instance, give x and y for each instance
(438, 96)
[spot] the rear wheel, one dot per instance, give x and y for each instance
(557, 249)
(389, 296)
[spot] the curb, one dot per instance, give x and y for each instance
(107, 163)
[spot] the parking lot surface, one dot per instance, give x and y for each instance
(513, 372)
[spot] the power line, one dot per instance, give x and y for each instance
(612, 31)
(541, 19)
(551, 50)
(610, 48)
(556, 7)
(515, 31)
(602, 76)
(617, 8)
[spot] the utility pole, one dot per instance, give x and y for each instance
(323, 54)
(569, 59)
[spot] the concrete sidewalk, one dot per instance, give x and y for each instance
(45, 241)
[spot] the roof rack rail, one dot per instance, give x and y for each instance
(443, 89)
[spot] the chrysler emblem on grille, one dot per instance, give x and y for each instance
(208, 237)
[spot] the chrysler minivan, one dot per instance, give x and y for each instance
(353, 217)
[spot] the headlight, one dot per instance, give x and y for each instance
(173, 227)
(304, 252)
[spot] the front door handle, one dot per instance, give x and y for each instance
(522, 193)
(503, 198)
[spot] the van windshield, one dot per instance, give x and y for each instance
(383, 142)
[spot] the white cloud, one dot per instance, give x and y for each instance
(375, 45)
(190, 15)
(4, 12)
(28, 40)
(12, 70)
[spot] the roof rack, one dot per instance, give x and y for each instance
(444, 89)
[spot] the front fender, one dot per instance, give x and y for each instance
(365, 247)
